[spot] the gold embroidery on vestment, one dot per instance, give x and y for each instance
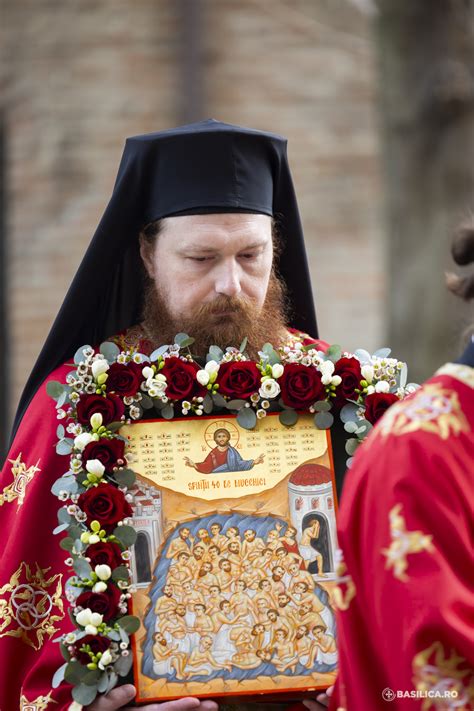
(344, 591)
(22, 475)
(433, 409)
(463, 373)
(403, 543)
(39, 704)
(28, 609)
(435, 671)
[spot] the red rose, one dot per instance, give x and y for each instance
(301, 386)
(125, 379)
(104, 554)
(105, 603)
(376, 404)
(110, 407)
(105, 504)
(239, 379)
(350, 373)
(181, 383)
(97, 643)
(107, 451)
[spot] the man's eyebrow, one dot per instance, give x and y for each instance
(209, 250)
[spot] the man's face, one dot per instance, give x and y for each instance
(215, 529)
(249, 534)
(199, 258)
(221, 439)
(184, 533)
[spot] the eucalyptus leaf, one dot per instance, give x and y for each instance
(218, 400)
(114, 426)
(92, 677)
(363, 356)
(215, 353)
(207, 404)
(403, 375)
(350, 426)
(351, 446)
(82, 568)
(67, 544)
(167, 412)
(382, 353)
(158, 352)
(322, 406)
(333, 353)
(349, 462)
(114, 635)
(79, 354)
(84, 694)
(113, 679)
(121, 573)
(59, 676)
(103, 683)
(75, 531)
(60, 432)
(59, 529)
(126, 535)
(65, 483)
(288, 417)
(54, 389)
(243, 345)
(123, 665)
(186, 342)
(323, 420)
(64, 446)
(235, 404)
(74, 672)
(180, 338)
(123, 636)
(65, 653)
(129, 623)
(146, 402)
(110, 351)
(62, 398)
(125, 477)
(349, 412)
(271, 354)
(64, 516)
(247, 418)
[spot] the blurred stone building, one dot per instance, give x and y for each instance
(80, 75)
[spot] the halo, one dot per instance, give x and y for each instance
(221, 425)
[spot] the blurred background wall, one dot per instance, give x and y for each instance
(78, 76)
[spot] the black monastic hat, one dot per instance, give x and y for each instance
(202, 167)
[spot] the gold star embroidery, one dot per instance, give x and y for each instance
(403, 543)
(22, 475)
(39, 704)
(30, 605)
(435, 671)
(433, 409)
(344, 591)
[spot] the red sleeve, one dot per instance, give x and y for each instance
(32, 571)
(405, 532)
(206, 466)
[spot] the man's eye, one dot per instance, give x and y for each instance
(199, 259)
(248, 255)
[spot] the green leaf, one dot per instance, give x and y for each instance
(333, 353)
(247, 418)
(403, 375)
(64, 516)
(65, 483)
(79, 354)
(54, 389)
(114, 426)
(59, 675)
(322, 406)
(60, 432)
(103, 683)
(74, 672)
(157, 353)
(64, 446)
(64, 652)
(350, 427)
(243, 345)
(219, 401)
(382, 353)
(235, 404)
(67, 544)
(183, 340)
(113, 679)
(167, 412)
(349, 412)
(125, 477)
(121, 573)
(84, 694)
(351, 446)
(323, 420)
(75, 531)
(113, 635)
(82, 568)
(271, 354)
(288, 417)
(59, 529)
(109, 350)
(215, 353)
(123, 665)
(129, 623)
(92, 677)
(146, 402)
(363, 356)
(126, 535)
(207, 404)
(63, 397)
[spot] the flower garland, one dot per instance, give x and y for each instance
(109, 388)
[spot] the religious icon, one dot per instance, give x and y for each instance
(223, 457)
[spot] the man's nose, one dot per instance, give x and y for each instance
(228, 278)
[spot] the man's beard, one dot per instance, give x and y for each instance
(225, 321)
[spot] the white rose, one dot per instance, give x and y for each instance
(277, 370)
(105, 659)
(96, 420)
(82, 440)
(212, 366)
(202, 376)
(99, 366)
(269, 388)
(367, 373)
(382, 387)
(94, 466)
(103, 572)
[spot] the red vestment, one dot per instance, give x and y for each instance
(405, 529)
(215, 458)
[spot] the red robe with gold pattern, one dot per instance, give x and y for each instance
(405, 594)
(33, 608)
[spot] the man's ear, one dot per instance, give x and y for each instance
(146, 253)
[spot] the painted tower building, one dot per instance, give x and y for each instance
(147, 522)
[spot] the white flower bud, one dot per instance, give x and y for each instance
(367, 373)
(277, 370)
(87, 618)
(105, 659)
(94, 466)
(202, 376)
(91, 629)
(99, 366)
(99, 587)
(212, 366)
(382, 387)
(82, 440)
(336, 380)
(147, 372)
(103, 572)
(370, 390)
(96, 420)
